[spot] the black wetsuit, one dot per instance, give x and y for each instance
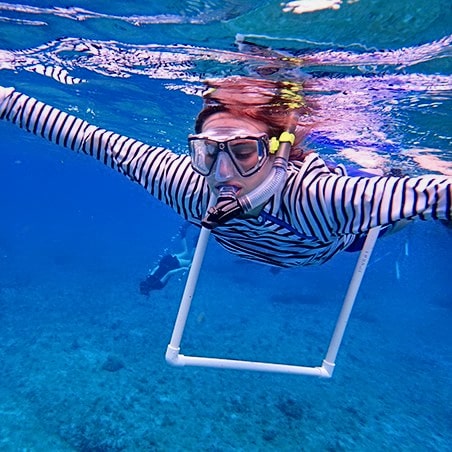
(155, 280)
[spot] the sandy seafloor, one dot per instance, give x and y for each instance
(70, 302)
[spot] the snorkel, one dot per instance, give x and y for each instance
(228, 205)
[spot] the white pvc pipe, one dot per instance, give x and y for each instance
(187, 297)
(350, 298)
(235, 364)
(174, 358)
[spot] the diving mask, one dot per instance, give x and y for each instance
(248, 152)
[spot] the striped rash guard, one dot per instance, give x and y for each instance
(317, 214)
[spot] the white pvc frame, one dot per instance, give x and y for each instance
(175, 358)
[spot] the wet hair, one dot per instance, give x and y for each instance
(272, 103)
(205, 113)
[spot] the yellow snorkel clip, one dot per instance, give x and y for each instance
(275, 143)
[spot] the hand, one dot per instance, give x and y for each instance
(4, 93)
(309, 6)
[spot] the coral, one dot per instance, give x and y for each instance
(113, 364)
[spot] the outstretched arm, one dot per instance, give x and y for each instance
(359, 204)
(327, 204)
(166, 175)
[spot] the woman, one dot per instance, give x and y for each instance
(308, 216)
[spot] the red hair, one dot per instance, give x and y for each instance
(270, 102)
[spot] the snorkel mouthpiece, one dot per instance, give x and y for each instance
(227, 207)
(230, 206)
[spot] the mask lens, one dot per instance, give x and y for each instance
(247, 153)
(203, 155)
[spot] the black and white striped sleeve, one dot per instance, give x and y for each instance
(357, 204)
(325, 204)
(166, 175)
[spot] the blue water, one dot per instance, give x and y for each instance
(76, 239)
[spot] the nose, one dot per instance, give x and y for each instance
(224, 168)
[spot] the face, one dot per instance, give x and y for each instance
(224, 172)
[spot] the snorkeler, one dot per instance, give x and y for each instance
(274, 201)
(168, 266)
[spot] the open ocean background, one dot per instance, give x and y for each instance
(76, 239)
